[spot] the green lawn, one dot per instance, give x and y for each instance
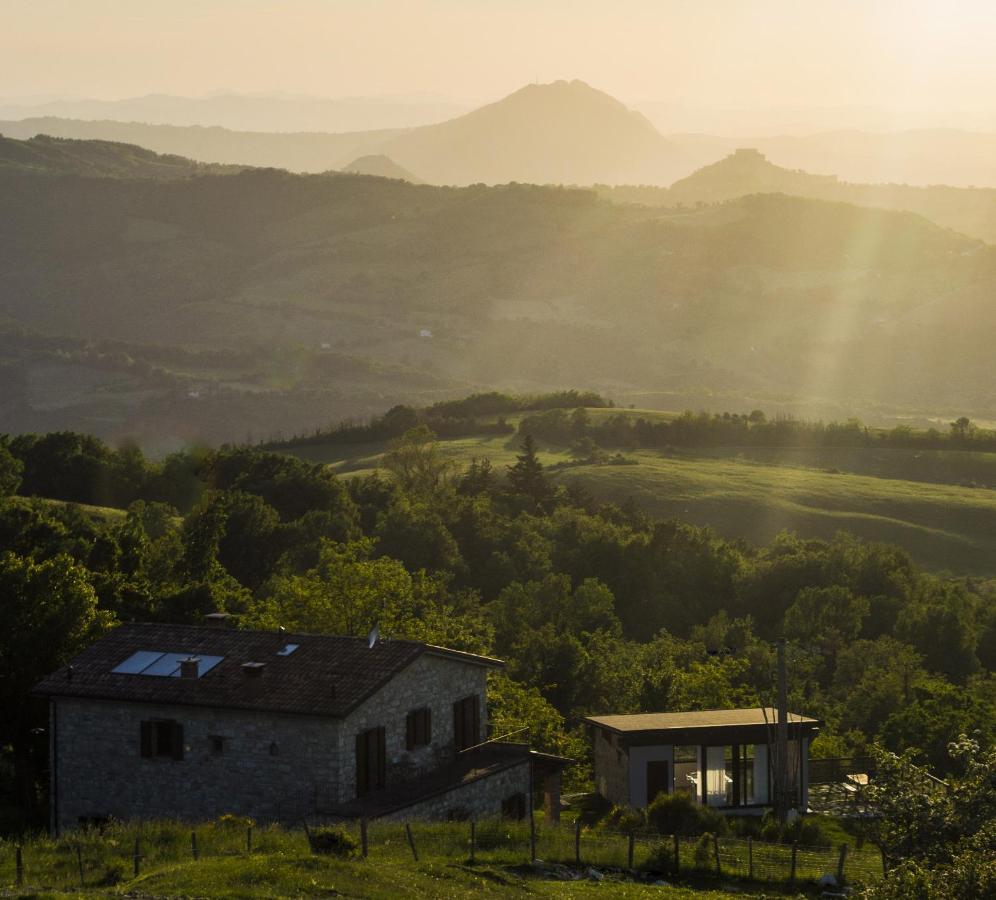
(910, 498)
(279, 864)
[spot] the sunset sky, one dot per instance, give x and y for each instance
(909, 54)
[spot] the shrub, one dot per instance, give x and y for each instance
(624, 819)
(334, 841)
(704, 854)
(680, 814)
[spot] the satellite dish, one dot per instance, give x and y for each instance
(373, 637)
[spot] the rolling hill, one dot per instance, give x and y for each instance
(261, 301)
(971, 211)
(65, 156)
(753, 494)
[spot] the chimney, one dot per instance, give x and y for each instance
(219, 620)
(190, 667)
(253, 669)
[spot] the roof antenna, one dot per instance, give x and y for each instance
(373, 637)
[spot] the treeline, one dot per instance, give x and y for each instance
(597, 608)
(449, 418)
(754, 429)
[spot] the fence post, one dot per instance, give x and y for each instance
(249, 839)
(307, 834)
(750, 858)
(193, 846)
(473, 842)
(577, 842)
(79, 862)
(715, 853)
(138, 856)
(677, 853)
(632, 843)
(19, 863)
(795, 847)
(364, 846)
(840, 863)
(532, 837)
(411, 840)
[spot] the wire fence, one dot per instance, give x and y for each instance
(95, 858)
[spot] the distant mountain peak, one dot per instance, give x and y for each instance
(382, 166)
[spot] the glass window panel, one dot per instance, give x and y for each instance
(716, 776)
(137, 662)
(686, 770)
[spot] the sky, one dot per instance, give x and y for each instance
(902, 54)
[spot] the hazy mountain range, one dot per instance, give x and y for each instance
(247, 112)
(559, 133)
(217, 305)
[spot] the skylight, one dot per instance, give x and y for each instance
(288, 649)
(166, 665)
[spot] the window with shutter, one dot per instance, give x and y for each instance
(418, 728)
(466, 722)
(161, 738)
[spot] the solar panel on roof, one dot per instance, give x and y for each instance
(288, 649)
(137, 662)
(166, 665)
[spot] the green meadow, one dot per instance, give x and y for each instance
(939, 505)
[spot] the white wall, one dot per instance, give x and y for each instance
(638, 759)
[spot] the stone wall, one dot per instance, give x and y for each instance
(480, 799)
(611, 767)
(272, 767)
(432, 681)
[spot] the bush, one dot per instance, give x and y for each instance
(803, 831)
(333, 841)
(680, 814)
(624, 819)
(704, 852)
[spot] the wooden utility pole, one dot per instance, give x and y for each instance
(781, 763)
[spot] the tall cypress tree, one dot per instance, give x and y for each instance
(526, 477)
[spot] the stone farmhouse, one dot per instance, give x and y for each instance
(193, 722)
(723, 758)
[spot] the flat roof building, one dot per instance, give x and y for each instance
(722, 758)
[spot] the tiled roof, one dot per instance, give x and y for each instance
(326, 675)
(708, 718)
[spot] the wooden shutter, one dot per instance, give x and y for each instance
(177, 740)
(427, 726)
(362, 770)
(145, 739)
(410, 727)
(458, 731)
(475, 734)
(380, 743)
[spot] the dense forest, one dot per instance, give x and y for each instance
(598, 608)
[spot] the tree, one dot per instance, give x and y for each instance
(829, 617)
(526, 476)
(416, 462)
(10, 472)
(49, 614)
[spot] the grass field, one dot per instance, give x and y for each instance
(279, 864)
(917, 499)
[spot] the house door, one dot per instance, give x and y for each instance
(657, 779)
(371, 761)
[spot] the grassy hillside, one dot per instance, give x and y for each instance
(917, 499)
(226, 306)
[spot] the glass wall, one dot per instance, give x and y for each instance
(686, 771)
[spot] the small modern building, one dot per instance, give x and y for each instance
(722, 758)
(191, 722)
